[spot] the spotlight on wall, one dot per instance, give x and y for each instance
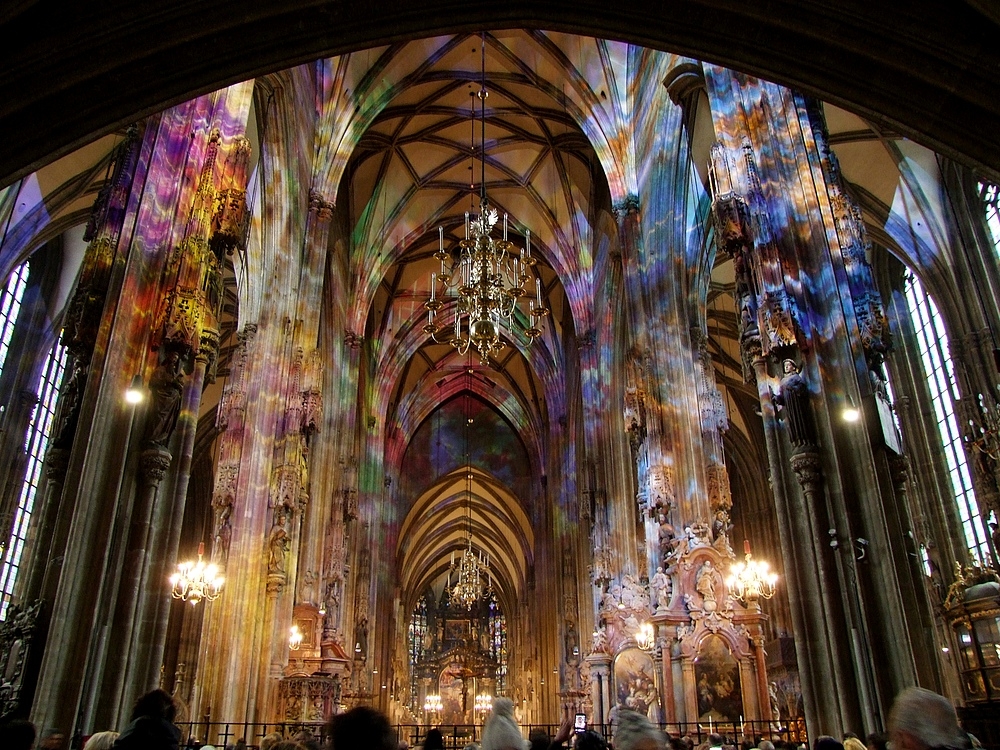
(135, 393)
(851, 413)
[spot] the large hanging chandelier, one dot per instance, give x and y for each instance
(470, 570)
(195, 581)
(751, 579)
(488, 277)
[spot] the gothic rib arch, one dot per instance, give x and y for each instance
(436, 525)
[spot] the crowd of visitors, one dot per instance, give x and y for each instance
(920, 720)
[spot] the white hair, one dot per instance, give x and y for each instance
(101, 741)
(928, 718)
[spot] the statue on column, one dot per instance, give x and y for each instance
(277, 544)
(660, 588)
(167, 385)
(572, 644)
(793, 397)
(705, 585)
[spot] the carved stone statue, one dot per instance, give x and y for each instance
(572, 644)
(277, 545)
(167, 385)
(705, 585)
(600, 645)
(224, 531)
(660, 588)
(361, 638)
(794, 398)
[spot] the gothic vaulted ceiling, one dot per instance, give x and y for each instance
(926, 68)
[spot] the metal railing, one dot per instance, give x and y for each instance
(457, 736)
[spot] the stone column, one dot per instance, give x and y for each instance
(41, 539)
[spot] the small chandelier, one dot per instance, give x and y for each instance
(489, 276)
(433, 703)
(294, 638)
(645, 638)
(751, 579)
(195, 581)
(484, 702)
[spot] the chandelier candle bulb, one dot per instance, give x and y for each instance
(527, 242)
(433, 286)
(505, 227)
(466, 225)
(441, 243)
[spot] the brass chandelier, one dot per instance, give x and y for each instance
(195, 581)
(751, 580)
(488, 277)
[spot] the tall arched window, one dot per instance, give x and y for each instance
(417, 634)
(498, 642)
(932, 342)
(991, 200)
(36, 438)
(10, 305)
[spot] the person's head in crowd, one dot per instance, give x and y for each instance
(826, 742)
(851, 742)
(156, 704)
(269, 741)
(539, 739)
(590, 740)
(18, 734)
(636, 732)
(434, 740)
(53, 740)
(101, 741)
(923, 720)
(501, 732)
(715, 740)
(765, 745)
(361, 727)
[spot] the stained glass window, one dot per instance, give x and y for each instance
(991, 200)
(498, 642)
(932, 341)
(10, 305)
(417, 634)
(36, 443)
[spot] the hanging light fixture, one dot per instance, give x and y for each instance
(645, 638)
(488, 277)
(294, 638)
(751, 579)
(195, 581)
(471, 567)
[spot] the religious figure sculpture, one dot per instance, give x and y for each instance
(600, 644)
(793, 397)
(224, 533)
(361, 639)
(167, 385)
(660, 587)
(721, 528)
(572, 644)
(705, 585)
(277, 545)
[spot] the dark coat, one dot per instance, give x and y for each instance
(147, 733)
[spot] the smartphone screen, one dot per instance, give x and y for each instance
(580, 724)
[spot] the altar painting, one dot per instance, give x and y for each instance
(635, 683)
(717, 675)
(453, 699)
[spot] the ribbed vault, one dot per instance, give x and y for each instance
(437, 526)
